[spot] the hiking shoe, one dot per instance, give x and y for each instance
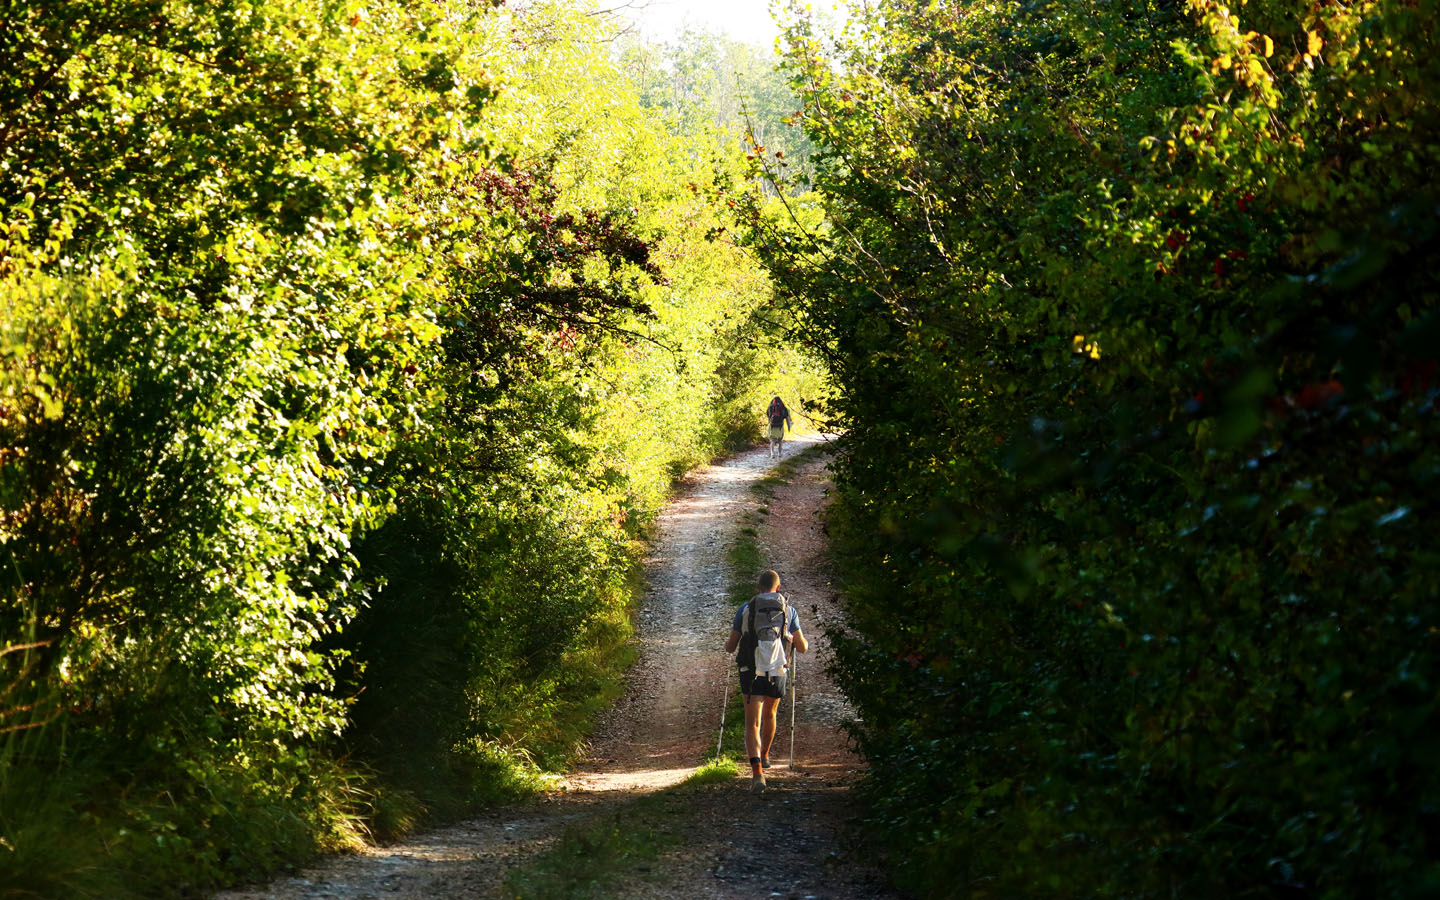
(764, 762)
(757, 784)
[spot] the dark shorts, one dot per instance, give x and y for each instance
(764, 686)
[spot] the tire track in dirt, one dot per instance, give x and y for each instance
(794, 840)
(789, 842)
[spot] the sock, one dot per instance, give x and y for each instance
(754, 765)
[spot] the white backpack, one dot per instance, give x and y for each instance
(764, 631)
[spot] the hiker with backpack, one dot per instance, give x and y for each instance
(762, 628)
(779, 417)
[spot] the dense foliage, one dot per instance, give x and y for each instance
(598, 343)
(207, 313)
(1133, 311)
(345, 352)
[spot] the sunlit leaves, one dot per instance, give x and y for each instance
(210, 309)
(273, 274)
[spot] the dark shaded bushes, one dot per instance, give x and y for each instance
(1134, 313)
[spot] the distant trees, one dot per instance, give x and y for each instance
(716, 86)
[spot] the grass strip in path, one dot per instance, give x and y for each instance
(624, 841)
(745, 561)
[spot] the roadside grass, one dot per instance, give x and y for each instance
(595, 681)
(161, 834)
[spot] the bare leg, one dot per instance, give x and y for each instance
(753, 711)
(767, 724)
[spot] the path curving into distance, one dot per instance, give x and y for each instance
(664, 726)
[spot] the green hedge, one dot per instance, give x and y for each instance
(1133, 310)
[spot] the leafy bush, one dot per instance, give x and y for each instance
(1133, 312)
(336, 389)
(206, 311)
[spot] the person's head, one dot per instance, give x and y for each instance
(769, 581)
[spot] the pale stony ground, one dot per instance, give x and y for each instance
(790, 842)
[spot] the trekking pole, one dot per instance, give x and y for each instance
(723, 704)
(794, 692)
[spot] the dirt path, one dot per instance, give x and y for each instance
(722, 844)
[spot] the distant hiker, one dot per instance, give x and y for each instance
(762, 627)
(779, 417)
